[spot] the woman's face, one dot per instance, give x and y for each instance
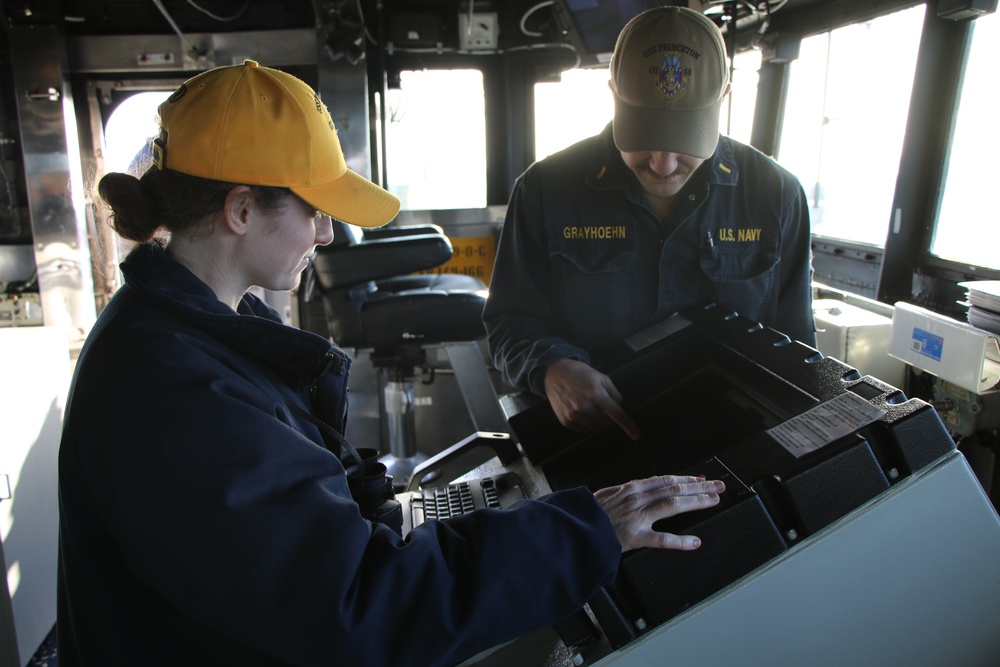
(282, 241)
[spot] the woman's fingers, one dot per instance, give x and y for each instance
(633, 507)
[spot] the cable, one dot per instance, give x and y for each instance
(361, 17)
(527, 14)
(177, 30)
(219, 18)
(476, 52)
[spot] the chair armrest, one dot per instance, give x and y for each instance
(346, 266)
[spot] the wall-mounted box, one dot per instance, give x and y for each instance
(945, 347)
(858, 337)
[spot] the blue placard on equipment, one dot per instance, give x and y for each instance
(927, 344)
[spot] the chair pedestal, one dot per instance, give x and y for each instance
(399, 400)
(396, 370)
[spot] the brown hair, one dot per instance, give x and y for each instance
(163, 199)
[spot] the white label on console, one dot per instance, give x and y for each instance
(825, 423)
(654, 333)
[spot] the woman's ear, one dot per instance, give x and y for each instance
(238, 209)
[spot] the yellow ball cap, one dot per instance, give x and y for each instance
(255, 125)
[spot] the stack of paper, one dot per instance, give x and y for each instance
(983, 298)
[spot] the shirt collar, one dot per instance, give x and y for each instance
(606, 170)
(722, 169)
(257, 331)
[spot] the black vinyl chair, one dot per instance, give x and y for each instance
(373, 300)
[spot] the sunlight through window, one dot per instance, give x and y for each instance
(129, 127)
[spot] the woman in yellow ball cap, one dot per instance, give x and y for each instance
(206, 510)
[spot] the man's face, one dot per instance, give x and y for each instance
(661, 174)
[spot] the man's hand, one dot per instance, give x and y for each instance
(585, 399)
(633, 507)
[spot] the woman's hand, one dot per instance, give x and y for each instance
(633, 507)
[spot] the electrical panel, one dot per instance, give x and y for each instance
(478, 31)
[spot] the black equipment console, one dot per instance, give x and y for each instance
(800, 440)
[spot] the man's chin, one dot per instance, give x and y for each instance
(663, 191)
(663, 187)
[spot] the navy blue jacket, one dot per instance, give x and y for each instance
(583, 261)
(204, 523)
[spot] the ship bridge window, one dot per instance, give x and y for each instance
(967, 228)
(130, 125)
(577, 106)
(435, 140)
(736, 119)
(843, 127)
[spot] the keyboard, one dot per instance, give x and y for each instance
(498, 492)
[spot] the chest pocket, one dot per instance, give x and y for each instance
(594, 283)
(741, 266)
(740, 254)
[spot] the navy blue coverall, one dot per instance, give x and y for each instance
(204, 522)
(583, 261)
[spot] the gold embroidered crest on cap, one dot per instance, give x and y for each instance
(672, 77)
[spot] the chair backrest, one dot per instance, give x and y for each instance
(345, 234)
(352, 270)
(383, 253)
